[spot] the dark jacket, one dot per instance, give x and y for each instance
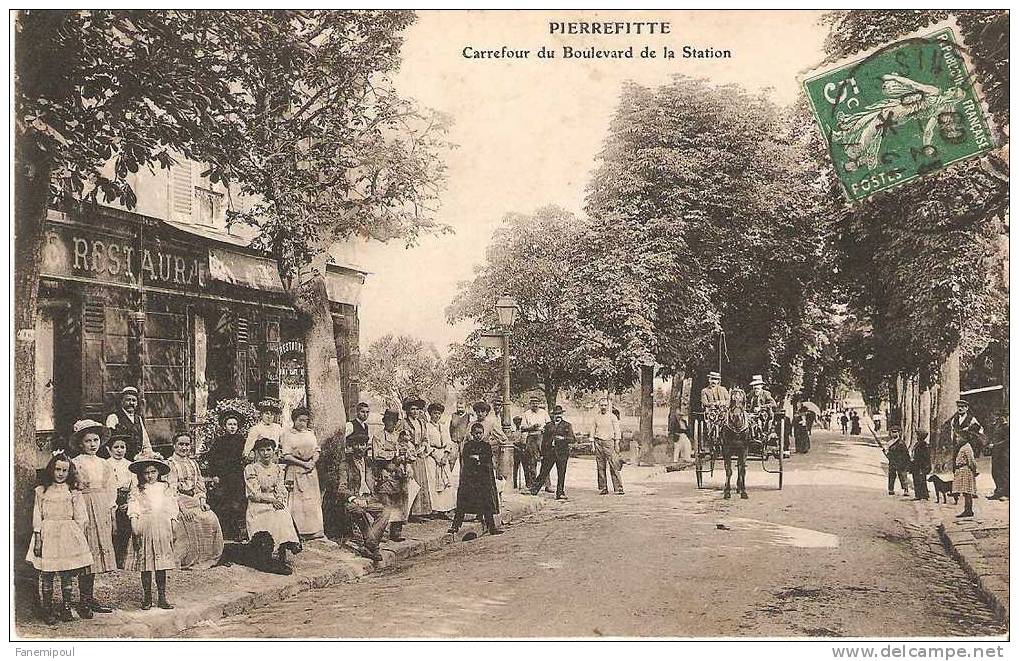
(558, 437)
(225, 460)
(921, 458)
(477, 491)
(898, 456)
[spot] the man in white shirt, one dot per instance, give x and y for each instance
(605, 435)
(533, 423)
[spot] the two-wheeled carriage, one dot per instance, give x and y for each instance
(764, 444)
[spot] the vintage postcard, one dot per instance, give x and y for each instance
(511, 325)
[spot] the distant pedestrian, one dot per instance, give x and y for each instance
(999, 463)
(877, 418)
(555, 451)
(605, 435)
(898, 461)
(854, 424)
(964, 481)
(477, 493)
(844, 423)
(801, 430)
(921, 466)
(682, 450)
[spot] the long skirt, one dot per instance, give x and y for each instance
(964, 482)
(63, 547)
(306, 502)
(99, 531)
(198, 543)
(263, 517)
(155, 552)
(422, 505)
(443, 493)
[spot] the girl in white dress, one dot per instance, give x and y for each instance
(58, 540)
(95, 477)
(153, 509)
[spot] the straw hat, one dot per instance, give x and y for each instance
(86, 426)
(143, 461)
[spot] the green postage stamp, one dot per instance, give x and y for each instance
(899, 112)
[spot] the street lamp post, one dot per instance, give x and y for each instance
(506, 309)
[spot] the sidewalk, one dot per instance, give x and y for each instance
(214, 593)
(979, 544)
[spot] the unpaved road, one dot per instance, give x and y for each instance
(829, 555)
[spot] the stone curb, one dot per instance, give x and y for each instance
(962, 545)
(348, 568)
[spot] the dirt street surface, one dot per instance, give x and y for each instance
(831, 554)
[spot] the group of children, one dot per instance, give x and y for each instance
(82, 527)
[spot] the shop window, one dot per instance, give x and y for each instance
(45, 387)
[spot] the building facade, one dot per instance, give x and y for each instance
(165, 299)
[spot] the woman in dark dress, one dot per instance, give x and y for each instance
(226, 466)
(477, 491)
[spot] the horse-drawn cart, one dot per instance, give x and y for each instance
(763, 442)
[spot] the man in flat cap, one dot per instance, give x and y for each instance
(126, 422)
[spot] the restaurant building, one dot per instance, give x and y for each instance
(164, 298)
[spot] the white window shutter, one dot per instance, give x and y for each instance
(182, 191)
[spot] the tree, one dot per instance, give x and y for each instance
(708, 217)
(913, 261)
(531, 257)
(400, 366)
(328, 150)
(98, 95)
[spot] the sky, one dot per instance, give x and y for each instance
(528, 131)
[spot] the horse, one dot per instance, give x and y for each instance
(736, 435)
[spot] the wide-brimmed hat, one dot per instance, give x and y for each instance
(269, 404)
(558, 410)
(226, 414)
(85, 426)
(143, 461)
(414, 402)
(758, 380)
(714, 375)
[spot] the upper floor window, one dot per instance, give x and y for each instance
(208, 207)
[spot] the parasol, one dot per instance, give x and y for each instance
(813, 407)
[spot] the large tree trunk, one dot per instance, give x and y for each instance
(676, 401)
(325, 396)
(647, 411)
(551, 395)
(31, 199)
(948, 392)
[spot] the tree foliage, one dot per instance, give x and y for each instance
(921, 265)
(399, 366)
(531, 257)
(713, 220)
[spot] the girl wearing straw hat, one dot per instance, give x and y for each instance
(152, 509)
(99, 487)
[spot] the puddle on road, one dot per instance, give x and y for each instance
(803, 538)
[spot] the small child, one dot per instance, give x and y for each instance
(124, 480)
(152, 508)
(58, 542)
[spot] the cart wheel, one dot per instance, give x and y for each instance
(781, 452)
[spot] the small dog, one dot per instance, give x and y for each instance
(942, 488)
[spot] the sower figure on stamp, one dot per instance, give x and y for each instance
(605, 435)
(555, 451)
